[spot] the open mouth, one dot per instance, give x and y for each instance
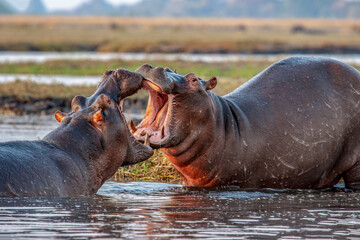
(153, 129)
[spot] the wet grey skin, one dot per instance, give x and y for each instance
(117, 84)
(76, 158)
(294, 125)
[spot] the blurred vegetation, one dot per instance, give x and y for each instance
(110, 34)
(28, 89)
(89, 67)
(230, 75)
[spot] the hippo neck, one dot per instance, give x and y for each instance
(78, 144)
(205, 155)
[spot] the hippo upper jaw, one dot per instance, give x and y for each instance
(155, 127)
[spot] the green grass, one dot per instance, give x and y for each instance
(89, 67)
(230, 75)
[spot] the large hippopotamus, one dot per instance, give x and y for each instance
(294, 125)
(77, 157)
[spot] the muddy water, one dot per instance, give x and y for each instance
(164, 211)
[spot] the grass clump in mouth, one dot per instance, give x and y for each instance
(155, 169)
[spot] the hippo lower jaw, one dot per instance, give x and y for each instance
(154, 128)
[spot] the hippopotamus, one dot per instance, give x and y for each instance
(77, 157)
(117, 84)
(294, 125)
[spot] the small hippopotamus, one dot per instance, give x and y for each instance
(118, 84)
(76, 158)
(294, 125)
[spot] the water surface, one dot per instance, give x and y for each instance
(166, 211)
(155, 210)
(14, 57)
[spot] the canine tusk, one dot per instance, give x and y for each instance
(163, 132)
(116, 74)
(132, 126)
(147, 140)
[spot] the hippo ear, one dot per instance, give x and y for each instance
(97, 117)
(59, 116)
(210, 84)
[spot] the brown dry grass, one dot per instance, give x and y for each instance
(54, 20)
(28, 89)
(173, 34)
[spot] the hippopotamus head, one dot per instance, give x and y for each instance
(116, 84)
(178, 107)
(104, 122)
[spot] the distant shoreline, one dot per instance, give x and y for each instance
(15, 105)
(178, 35)
(271, 49)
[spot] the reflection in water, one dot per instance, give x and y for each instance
(156, 210)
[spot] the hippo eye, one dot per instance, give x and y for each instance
(194, 80)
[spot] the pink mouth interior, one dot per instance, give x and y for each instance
(154, 121)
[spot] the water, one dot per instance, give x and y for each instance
(16, 57)
(52, 79)
(155, 210)
(165, 211)
(33, 127)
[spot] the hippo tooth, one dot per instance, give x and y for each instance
(132, 126)
(163, 132)
(143, 133)
(147, 140)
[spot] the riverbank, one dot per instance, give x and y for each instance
(174, 35)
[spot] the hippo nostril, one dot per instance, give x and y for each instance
(103, 99)
(159, 69)
(108, 72)
(75, 108)
(147, 66)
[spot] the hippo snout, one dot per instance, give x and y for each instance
(78, 103)
(156, 75)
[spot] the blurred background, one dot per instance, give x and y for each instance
(52, 50)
